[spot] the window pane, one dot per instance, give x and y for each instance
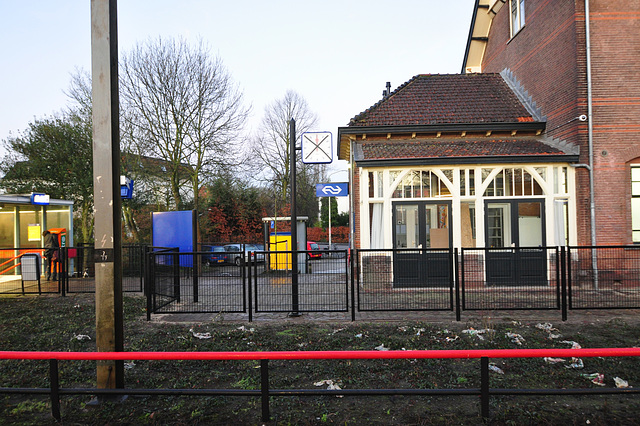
(415, 184)
(509, 179)
(635, 174)
(426, 186)
(371, 185)
(468, 224)
(7, 219)
(635, 214)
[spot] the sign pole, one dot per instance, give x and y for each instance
(106, 189)
(294, 222)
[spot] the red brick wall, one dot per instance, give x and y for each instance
(548, 57)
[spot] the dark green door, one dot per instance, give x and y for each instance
(515, 241)
(422, 235)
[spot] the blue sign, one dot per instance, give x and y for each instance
(126, 191)
(39, 199)
(340, 189)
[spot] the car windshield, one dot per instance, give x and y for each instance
(313, 246)
(218, 249)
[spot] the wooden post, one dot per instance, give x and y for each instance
(106, 190)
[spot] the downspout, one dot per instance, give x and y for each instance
(594, 259)
(352, 207)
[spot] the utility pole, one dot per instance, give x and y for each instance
(106, 190)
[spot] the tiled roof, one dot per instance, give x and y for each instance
(456, 148)
(431, 99)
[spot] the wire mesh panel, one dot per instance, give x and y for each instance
(187, 283)
(510, 278)
(133, 268)
(604, 277)
(322, 282)
(404, 280)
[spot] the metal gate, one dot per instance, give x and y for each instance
(186, 283)
(322, 284)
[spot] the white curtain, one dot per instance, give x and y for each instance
(376, 227)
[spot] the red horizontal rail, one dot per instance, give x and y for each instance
(299, 355)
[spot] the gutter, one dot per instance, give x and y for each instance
(587, 28)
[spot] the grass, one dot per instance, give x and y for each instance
(62, 324)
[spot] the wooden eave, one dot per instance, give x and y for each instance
(483, 13)
(357, 133)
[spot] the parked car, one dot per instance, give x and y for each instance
(234, 253)
(216, 255)
(312, 250)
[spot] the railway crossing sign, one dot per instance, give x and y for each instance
(317, 147)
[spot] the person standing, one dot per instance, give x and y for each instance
(51, 254)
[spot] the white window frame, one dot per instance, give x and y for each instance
(516, 10)
(635, 200)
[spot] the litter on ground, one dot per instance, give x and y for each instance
(81, 337)
(478, 333)
(621, 383)
(515, 338)
(596, 378)
(200, 335)
(550, 360)
(495, 368)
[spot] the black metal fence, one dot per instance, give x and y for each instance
(185, 283)
(515, 278)
(321, 286)
(467, 279)
(74, 270)
(80, 265)
(405, 280)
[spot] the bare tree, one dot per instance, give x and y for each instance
(271, 147)
(181, 106)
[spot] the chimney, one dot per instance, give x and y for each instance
(387, 92)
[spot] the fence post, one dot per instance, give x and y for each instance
(351, 256)
(246, 288)
(176, 274)
(564, 270)
(196, 272)
(55, 385)
(264, 389)
(62, 276)
(149, 281)
(456, 281)
(484, 387)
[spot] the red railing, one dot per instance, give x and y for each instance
(302, 355)
(265, 392)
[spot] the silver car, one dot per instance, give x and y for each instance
(234, 253)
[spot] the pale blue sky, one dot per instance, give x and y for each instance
(337, 54)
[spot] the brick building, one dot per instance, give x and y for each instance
(501, 154)
(543, 45)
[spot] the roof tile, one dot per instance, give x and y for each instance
(431, 99)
